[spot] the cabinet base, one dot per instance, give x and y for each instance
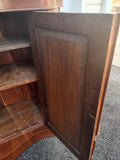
(12, 146)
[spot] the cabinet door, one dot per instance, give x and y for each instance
(73, 55)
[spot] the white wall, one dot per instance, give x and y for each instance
(93, 6)
(72, 6)
(89, 6)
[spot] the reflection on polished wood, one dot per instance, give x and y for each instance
(18, 143)
(12, 5)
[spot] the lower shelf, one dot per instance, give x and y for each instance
(21, 125)
(18, 116)
(13, 75)
(16, 42)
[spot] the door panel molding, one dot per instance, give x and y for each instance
(101, 31)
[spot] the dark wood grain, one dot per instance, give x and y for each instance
(16, 42)
(13, 75)
(108, 64)
(18, 93)
(19, 116)
(100, 47)
(17, 55)
(18, 143)
(21, 120)
(13, 24)
(1, 102)
(62, 63)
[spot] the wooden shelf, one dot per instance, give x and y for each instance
(13, 75)
(15, 42)
(19, 116)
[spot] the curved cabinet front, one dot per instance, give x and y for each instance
(14, 145)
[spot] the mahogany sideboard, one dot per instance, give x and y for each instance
(54, 69)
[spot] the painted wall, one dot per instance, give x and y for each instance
(93, 6)
(72, 6)
(88, 6)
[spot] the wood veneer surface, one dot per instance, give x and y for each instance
(19, 116)
(13, 75)
(63, 62)
(15, 56)
(14, 42)
(96, 72)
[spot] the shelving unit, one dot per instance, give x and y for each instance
(19, 103)
(21, 120)
(14, 42)
(70, 85)
(13, 75)
(18, 116)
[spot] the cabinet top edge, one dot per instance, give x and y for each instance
(26, 9)
(28, 5)
(69, 13)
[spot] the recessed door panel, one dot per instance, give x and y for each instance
(63, 59)
(73, 55)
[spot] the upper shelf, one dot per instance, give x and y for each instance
(13, 75)
(14, 42)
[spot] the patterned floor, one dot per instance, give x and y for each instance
(108, 142)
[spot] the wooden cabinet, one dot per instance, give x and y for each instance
(54, 69)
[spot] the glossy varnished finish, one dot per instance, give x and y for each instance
(108, 64)
(72, 57)
(54, 81)
(28, 5)
(21, 118)
(12, 146)
(62, 58)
